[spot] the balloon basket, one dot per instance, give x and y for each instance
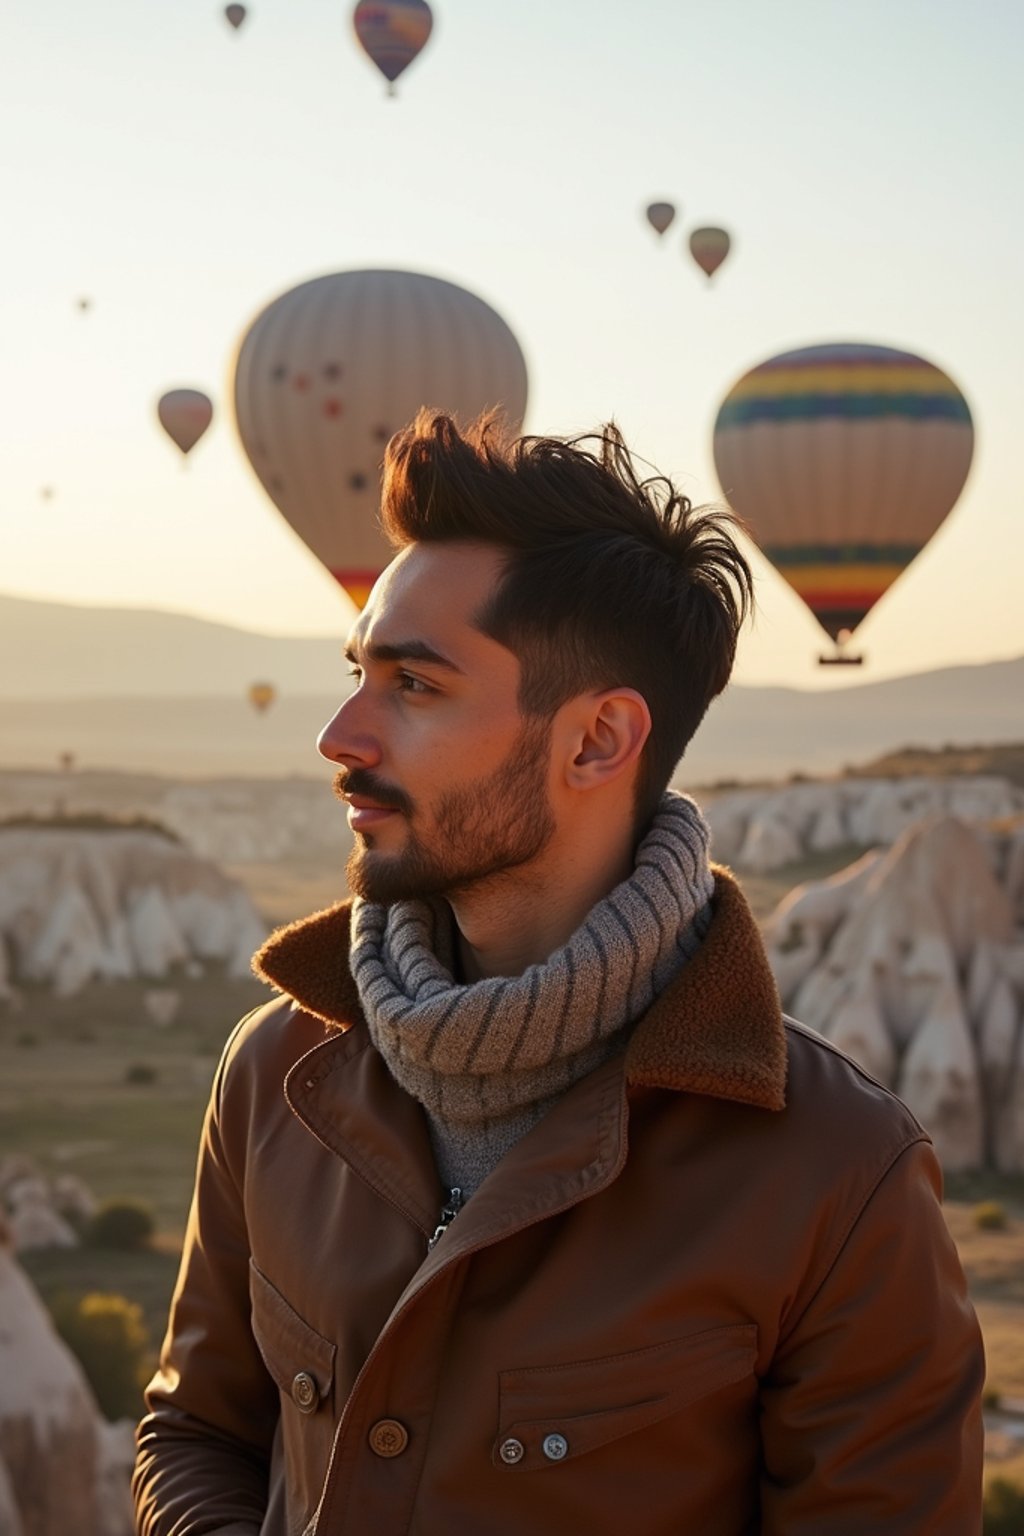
(840, 661)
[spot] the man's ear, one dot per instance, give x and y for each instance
(610, 730)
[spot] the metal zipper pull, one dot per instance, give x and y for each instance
(449, 1211)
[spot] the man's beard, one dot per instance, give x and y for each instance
(482, 830)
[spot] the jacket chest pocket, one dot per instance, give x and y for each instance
(553, 1414)
(301, 1362)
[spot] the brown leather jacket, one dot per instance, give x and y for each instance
(704, 1295)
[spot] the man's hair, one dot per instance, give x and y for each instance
(610, 580)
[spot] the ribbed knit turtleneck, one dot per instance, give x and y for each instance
(488, 1059)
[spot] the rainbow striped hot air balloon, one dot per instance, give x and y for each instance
(843, 459)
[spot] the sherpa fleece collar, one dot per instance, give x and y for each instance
(717, 1029)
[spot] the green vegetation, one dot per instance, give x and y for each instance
(139, 1074)
(109, 1337)
(1004, 761)
(1004, 1508)
(65, 1102)
(990, 1216)
(126, 1225)
(145, 1278)
(86, 821)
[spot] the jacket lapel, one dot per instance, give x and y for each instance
(345, 1095)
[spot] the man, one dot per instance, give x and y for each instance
(522, 1209)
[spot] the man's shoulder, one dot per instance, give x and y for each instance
(269, 1040)
(832, 1098)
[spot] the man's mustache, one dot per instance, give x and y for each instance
(360, 781)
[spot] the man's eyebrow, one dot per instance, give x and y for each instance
(403, 650)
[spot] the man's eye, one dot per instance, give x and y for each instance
(409, 684)
(355, 672)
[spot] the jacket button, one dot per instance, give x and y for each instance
(305, 1392)
(555, 1447)
(511, 1451)
(388, 1438)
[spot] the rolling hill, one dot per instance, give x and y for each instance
(160, 692)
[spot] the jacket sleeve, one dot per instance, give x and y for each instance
(204, 1446)
(871, 1412)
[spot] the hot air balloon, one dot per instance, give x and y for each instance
(261, 696)
(330, 370)
(660, 216)
(185, 415)
(235, 14)
(843, 459)
(84, 303)
(392, 32)
(709, 248)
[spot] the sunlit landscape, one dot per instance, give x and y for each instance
(781, 248)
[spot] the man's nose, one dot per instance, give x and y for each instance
(346, 740)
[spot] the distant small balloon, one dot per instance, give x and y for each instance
(709, 248)
(261, 696)
(84, 303)
(392, 32)
(46, 492)
(236, 14)
(185, 415)
(660, 216)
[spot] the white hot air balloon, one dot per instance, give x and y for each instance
(330, 370)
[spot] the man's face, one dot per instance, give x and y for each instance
(447, 784)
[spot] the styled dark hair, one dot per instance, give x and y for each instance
(610, 580)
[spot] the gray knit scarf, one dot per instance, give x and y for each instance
(486, 1060)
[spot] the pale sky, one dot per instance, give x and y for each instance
(866, 157)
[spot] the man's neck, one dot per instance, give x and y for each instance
(521, 918)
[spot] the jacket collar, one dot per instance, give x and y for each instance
(716, 1030)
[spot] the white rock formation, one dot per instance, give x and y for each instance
(162, 1004)
(75, 905)
(40, 1212)
(229, 821)
(769, 843)
(72, 1198)
(35, 1223)
(913, 962)
(764, 829)
(57, 1460)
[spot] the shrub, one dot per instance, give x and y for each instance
(107, 1334)
(1004, 1508)
(123, 1224)
(990, 1216)
(140, 1073)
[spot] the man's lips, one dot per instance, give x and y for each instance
(366, 813)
